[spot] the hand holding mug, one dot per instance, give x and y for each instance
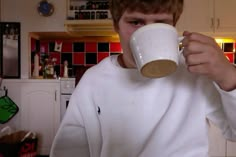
(155, 48)
(203, 56)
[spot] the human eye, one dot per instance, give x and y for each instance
(136, 22)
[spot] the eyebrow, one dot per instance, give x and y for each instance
(164, 21)
(132, 18)
(143, 19)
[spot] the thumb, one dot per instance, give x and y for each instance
(186, 33)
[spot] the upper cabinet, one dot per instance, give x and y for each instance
(212, 17)
(89, 18)
(225, 15)
(197, 16)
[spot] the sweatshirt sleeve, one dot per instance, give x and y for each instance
(225, 115)
(71, 139)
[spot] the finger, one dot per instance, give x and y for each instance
(186, 33)
(193, 36)
(201, 69)
(196, 59)
(194, 47)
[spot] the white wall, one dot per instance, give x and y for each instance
(25, 11)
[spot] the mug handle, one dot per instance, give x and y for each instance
(181, 47)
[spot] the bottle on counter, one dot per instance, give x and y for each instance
(65, 74)
(46, 69)
(36, 65)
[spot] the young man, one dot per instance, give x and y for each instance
(116, 112)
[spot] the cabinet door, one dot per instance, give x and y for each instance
(231, 149)
(225, 15)
(41, 112)
(198, 16)
(217, 143)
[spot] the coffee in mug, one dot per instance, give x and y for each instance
(155, 48)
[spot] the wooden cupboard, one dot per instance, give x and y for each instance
(212, 17)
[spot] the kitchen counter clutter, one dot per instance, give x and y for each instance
(66, 57)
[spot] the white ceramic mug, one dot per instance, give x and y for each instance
(155, 48)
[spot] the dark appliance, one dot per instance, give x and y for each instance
(10, 49)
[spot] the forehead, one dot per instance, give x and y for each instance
(150, 16)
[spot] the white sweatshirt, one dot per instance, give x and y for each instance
(115, 112)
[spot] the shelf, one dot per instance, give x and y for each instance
(90, 27)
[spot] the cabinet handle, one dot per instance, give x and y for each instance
(55, 95)
(218, 23)
(212, 23)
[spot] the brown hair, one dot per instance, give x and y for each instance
(118, 7)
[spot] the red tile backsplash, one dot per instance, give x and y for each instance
(91, 47)
(230, 56)
(79, 58)
(67, 47)
(33, 44)
(115, 47)
(44, 46)
(101, 56)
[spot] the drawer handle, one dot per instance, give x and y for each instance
(218, 23)
(212, 23)
(55, 95)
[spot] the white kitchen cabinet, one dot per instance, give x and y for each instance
(225, 16)
(213, 17)
(217, 143)
(231, 149)
(197, 16)
(40, 111)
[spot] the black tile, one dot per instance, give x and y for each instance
(103, 47)
(70, 72)
(37, 45)
(78, 47)
(91, 58)
(228, 47)
(51, 46)
(57, 69)
(32, 56)
(68, 57)
(79, 71)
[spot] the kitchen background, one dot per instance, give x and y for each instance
(78, 53)
(81, 44)
(88, 53)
